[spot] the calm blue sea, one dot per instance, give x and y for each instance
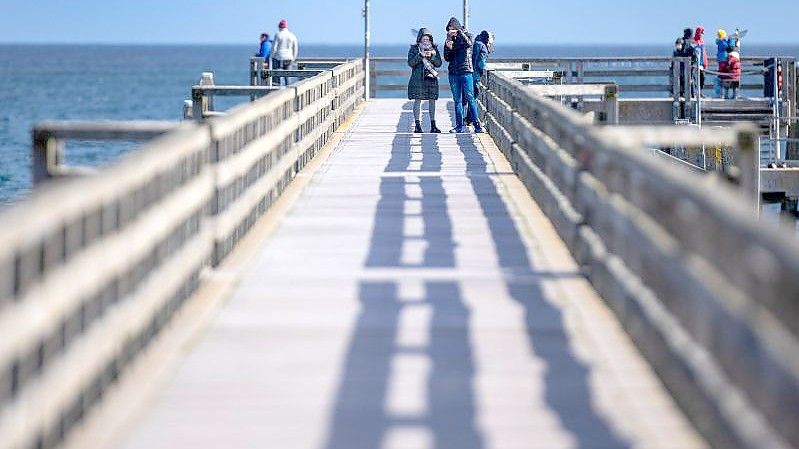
(78, 82)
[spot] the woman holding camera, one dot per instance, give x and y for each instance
(424, 58)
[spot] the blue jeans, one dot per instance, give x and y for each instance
(462, 87)
(284, 65)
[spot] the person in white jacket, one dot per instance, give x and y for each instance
(284, 51)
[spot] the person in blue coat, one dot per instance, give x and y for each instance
(483, 45)
(723, 43)
(266, 47)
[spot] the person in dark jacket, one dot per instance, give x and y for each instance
(458, 53)
(265, 49)
(689, 51)
(424, 58)
(483, 45)
(679, 44)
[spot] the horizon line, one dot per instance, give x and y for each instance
(360, 44)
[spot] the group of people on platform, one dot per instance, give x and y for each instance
(728, 76)
(466, 56)
(283, 49)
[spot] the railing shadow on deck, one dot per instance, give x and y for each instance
(360, 419)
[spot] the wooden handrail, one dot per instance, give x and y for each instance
(91, 268)
(682, 259)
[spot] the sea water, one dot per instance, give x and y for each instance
(91, 82)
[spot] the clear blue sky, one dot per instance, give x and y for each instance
(335, 22)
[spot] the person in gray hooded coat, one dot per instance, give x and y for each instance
(424, 58)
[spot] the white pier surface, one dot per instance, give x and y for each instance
(414, 296)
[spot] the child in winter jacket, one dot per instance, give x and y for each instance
(732, 74)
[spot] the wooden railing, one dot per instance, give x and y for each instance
(708, 293)
(642, 76)
(92, 267)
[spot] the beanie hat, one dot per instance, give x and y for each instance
(721, 34)
(283, 24)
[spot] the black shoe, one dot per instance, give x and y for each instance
(433, 127)
(418, 128)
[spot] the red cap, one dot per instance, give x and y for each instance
(283, 24)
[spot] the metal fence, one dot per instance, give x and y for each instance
(92, 267)
(708, 293)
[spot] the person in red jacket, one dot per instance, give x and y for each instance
(700, 55)
(732, 77)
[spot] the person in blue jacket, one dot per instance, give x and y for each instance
(483, 45)
(266, 47)
(723, 43)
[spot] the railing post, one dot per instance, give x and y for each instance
(366, 60)
(187, 110)
(749, 151)
(372, 76)
(197, 103)
(676, 76)
(208, 80)
(48, 153)
(792, 79)
(776, 109)
(612, 102)
(253, 71)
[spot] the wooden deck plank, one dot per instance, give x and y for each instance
(414, 297)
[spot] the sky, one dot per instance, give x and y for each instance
(578, 22)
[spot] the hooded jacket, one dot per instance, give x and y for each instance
(722, 44)
(460, 56)
(266, 48)
(688, 43)
(480, 52)
(421, 86)
(733, 67)
(700, 50)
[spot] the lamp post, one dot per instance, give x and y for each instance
(366, 49)
(466, 14)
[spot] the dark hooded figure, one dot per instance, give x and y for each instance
(483, 45)
(458, 52)
(424, 58)
(688, 39)
(686, 51)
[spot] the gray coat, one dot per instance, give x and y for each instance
(420, 86)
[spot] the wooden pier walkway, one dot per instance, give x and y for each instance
(414, 296)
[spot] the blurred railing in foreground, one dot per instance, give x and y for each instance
(708, 293)
(92, 267)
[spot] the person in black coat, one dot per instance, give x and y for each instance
(424, 58)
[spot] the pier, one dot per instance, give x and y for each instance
(302, 271)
